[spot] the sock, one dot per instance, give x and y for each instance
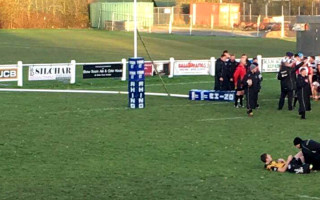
(303, 115)
(236, 100)
(295, 101)
(241, 100)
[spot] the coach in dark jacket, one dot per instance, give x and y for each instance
(232, 64)
(251, 86)
(287, 77)
(222, 74)
(303, 93)
(310, 150)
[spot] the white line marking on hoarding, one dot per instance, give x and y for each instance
(308, 197)
(220, 119)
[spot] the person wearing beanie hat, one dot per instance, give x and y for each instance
(297, 142)
(310, 150)
(251, 86)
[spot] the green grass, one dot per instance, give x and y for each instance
(54, 46)
(90, 146)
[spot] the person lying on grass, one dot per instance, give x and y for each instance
(294, 164)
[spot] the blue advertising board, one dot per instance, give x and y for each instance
(212, 95)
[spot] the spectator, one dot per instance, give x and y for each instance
(221, 77)
(232, 65)
(248, 63)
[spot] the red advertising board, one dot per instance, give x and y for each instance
(148, 71)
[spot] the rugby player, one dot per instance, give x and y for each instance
(292, 164)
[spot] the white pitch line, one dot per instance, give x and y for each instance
(220, 119)
(82, 111)
(98, 92)
(122, 108)
(172, 84)
(89, 92)
(307, 197)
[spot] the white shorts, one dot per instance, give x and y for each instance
(316, 84)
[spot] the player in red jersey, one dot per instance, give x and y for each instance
(238, 77)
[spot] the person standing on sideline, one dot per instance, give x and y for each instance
(287, 77)
(238, 77)
(255, 61)
(303, 93)
(251, 86)
(298, 59)
(232, 65)
(221, 77)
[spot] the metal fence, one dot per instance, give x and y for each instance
(170, 20)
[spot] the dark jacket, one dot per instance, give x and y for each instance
(255, 87)
(232, 65)
(287, 77)
(311, 152)
(303, 93)
(260, 79)
(221, 72)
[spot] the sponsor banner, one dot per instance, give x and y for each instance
(211, 95)
(49, 72)
(8, 74)
(271, 64)
(148, 69)
(102, 71)
(192, 67)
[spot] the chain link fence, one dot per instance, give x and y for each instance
(170, 20)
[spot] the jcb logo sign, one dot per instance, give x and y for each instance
(8, 74)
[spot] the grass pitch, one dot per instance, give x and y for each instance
(90, 146)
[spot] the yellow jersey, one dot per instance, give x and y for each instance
(275, 165)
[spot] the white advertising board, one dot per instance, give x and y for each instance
(271, 64)
(8, 74)
(191, 67)
(52, 72)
